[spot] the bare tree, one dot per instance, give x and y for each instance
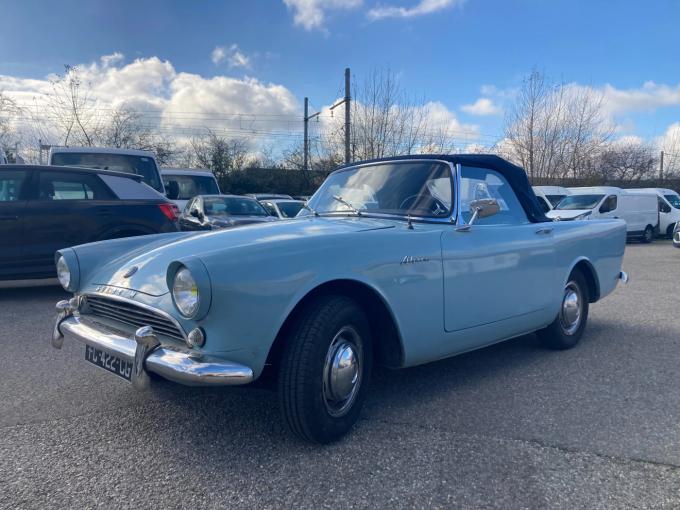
(219, 154)
(70, 108)
(386, 121)
(554, 130)
(627, 162)
(8, 112)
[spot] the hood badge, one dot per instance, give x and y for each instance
(410, 259)
(130, 272)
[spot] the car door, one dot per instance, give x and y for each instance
(500, 268)
(14, 185)
(67, 208)
(609, 207)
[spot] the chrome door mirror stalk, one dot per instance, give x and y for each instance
(482, 208)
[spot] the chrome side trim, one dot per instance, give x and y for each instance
(141, 305)
(177, 365)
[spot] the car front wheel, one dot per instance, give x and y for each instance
(567, 328)
(325, 369)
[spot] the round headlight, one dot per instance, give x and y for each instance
(185, 292)
(63, 272)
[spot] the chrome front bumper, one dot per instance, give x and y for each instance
(147, 354)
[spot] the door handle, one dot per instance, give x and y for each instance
(9, 218)
(104, 212)
(544, 231)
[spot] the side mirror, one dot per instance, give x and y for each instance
(482, 208)
(197, 214)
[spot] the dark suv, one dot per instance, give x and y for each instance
(45, 208)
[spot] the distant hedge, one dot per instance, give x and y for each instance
(270, 180)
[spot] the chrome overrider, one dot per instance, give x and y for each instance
(146, 353)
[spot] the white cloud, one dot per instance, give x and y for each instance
(421, 8)
(483, 106)
(175, 103)
(233, 55)
(218, 54)
(311, 14)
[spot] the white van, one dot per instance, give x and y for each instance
(669, 207)
(121, 160)
(640, 211)
(183, 184)
(549, 196)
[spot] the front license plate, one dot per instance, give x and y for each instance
(113, 364)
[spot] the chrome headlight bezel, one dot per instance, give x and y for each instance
(63, 272)
(185, 293)
(199, 273)
(68, 261)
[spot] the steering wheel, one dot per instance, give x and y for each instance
(434, 205)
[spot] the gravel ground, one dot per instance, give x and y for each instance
(511, 426)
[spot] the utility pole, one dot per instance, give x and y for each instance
(661, 166)
(305, 147)
(347, 100)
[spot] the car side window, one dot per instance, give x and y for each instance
(479, 183)
(11, 183)
(609, 204)
(543, 204)
(270, 208)
(663, 206)
(71, 186)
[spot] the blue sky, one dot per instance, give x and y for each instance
(448, 51)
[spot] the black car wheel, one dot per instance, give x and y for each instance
(325, 369)
(648, 235)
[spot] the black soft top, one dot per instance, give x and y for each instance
(515, 175)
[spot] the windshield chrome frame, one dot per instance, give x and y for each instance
(454, 178)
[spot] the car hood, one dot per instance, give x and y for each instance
(151, 260)
(567, 214)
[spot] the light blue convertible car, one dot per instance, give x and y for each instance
(394, 262)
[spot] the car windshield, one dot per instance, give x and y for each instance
(579, 202)
(555, 199)
(232, 206)
(289, 209)
(674, 200)
(127, 163)
(416, 188)
(191, 185)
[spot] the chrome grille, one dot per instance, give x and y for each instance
(133, 315)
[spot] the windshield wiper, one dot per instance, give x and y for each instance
(346, 203)
(313, 211)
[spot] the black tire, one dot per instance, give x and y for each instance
(648, 235)
(669, 231)
(562, 333)
(326, 327)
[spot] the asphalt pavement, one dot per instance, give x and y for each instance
(510, 426)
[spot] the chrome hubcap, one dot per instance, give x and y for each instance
(342, 371)
(570, 314)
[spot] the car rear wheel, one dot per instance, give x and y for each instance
(648, 235)
(567, 328)
(325, 370)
